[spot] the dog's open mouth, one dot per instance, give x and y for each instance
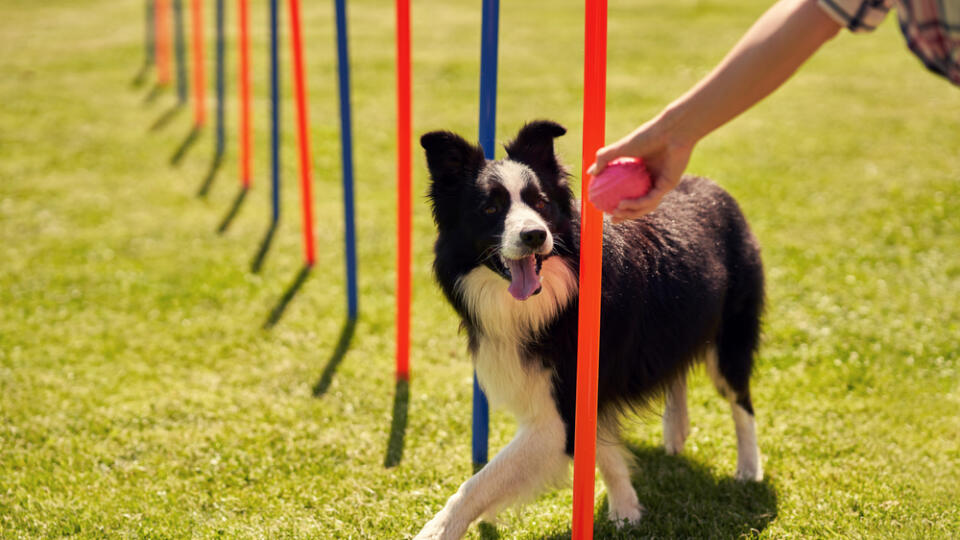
(523, 274)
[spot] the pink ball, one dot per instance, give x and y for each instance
(623, 178)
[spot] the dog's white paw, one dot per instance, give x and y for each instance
(435, 529)
(750, 472)
(673, 441)
(443, 526)
(676, 429)
(626, 514)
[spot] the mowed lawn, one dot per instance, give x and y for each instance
(141, 395)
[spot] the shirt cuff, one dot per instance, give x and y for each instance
(857, 15)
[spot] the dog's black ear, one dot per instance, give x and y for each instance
(534, 147)
(453, 162)
(450, 158)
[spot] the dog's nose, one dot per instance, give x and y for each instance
(533, 238)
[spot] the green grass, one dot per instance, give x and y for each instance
(139, 395)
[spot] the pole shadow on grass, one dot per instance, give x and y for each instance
(166, 117)
(398, 424)
(264, 248)
(343, 345)
(277, 312)
(187, 143)
(211, 175)
(232, 212)
(153, 94)
(686, 499)
(142, 74)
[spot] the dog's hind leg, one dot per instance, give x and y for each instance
(748, 453)
(534, 459)
(730, 363)
(676, 421)
(737, 393)
(613, 460)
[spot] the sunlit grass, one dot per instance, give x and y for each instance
(140, 396)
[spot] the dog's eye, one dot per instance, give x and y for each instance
(541, 204)
(491, 209)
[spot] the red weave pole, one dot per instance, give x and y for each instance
(199, 77)
(162, 42)
(591, 264)
(245, 121)
(303, 132)
(404, 207)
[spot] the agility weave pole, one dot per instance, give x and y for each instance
(162, 41)
(199, 75)
(346, 158)
(404, 189)
(274, 111)
(591, 265)
(221, 80)
(180, 46)
(303, 133)
(149, 43)
(245, 120)
(489, 36)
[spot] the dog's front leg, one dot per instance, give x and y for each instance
(534, 458)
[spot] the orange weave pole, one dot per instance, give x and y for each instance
(199, 76)
(163, 42)
(303, 132)
(246, 158)
(591, 264)
(404, 207)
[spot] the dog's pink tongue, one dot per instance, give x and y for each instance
(524, 280)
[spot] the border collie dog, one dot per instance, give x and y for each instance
(680, 285)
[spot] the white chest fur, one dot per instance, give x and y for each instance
(506, 324)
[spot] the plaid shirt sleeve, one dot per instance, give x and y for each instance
(931, 27)
(857, 15)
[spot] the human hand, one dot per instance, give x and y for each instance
(665, 156)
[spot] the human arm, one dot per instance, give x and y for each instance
(764, 58)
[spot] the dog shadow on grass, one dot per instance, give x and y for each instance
(685, 499)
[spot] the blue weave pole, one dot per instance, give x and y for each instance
(221, 80)
(180, 44)
(346, 150)
(488, 119)
(275, 109)
(148, 44)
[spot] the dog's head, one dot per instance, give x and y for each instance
(508, 212)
